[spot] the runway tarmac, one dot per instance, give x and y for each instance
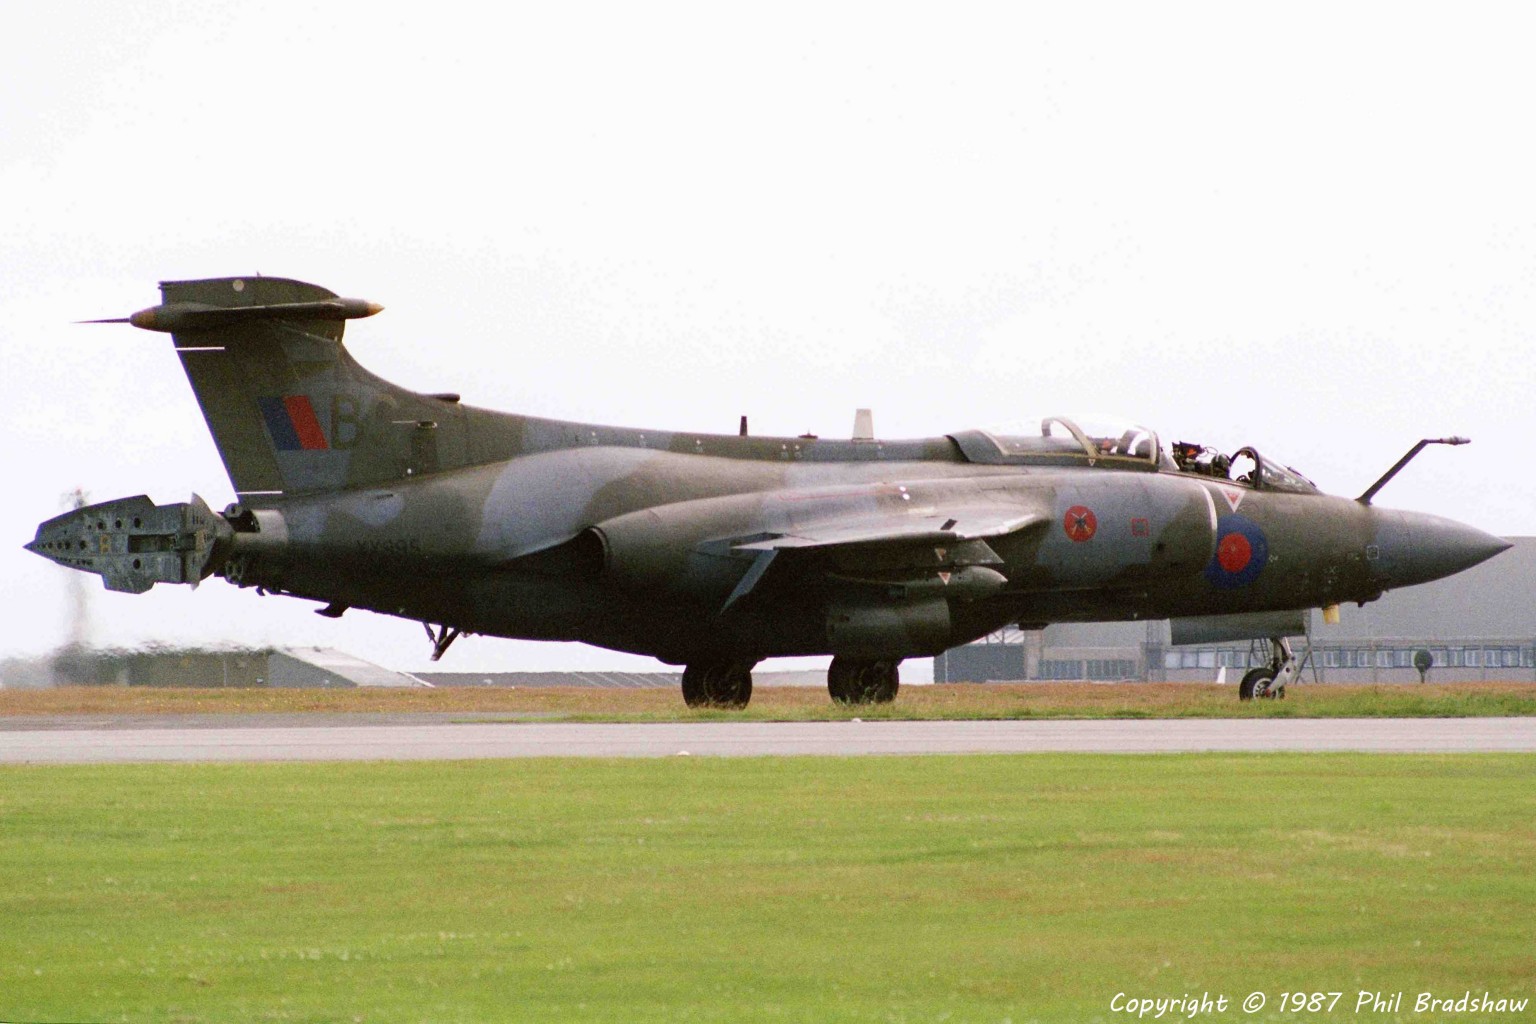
(123, 741)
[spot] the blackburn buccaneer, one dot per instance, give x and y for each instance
(717, 551)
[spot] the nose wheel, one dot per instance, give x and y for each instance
(850, 681)
(1268, 682)
(1258, 684)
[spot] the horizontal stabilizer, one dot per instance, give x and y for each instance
(191, 317)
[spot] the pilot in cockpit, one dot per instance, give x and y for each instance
(1197, 458)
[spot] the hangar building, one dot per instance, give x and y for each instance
(320, 667)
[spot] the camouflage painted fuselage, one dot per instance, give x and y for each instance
(632, 547)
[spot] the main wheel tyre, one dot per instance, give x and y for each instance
(1256, 684)
(729, 685)
(863, 682)
(840, 679)
(717, 684)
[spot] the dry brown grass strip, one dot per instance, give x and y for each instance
(993, 700)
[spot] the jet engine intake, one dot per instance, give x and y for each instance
(648, 553)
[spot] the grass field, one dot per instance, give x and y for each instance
(994, 700)
(797, 889)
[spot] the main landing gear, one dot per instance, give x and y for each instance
(1268, 682)
(850, 681)
(728, 684)
(717, 684)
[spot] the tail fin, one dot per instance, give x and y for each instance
(289, 409)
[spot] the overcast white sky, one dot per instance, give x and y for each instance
(1311, 229)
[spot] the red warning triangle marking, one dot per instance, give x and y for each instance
(1233, 495)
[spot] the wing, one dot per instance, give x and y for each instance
(903, 544)
(972, 522)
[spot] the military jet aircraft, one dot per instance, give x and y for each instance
(718, 551)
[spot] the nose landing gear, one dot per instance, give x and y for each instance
(1268, 682)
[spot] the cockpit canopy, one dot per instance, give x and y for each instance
(1059, 441)
(1246, 466)
(1266, 474)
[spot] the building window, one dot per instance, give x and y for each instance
(1054, 668)
(1111, 668)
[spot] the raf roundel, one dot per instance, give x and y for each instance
(1242, 551)
(1080, 523)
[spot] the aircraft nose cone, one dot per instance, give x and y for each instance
(54, 548)
(1413, 547)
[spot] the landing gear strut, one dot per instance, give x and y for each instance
(441, 640)
(1268, 682)
(851, 681)
(717, 684)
